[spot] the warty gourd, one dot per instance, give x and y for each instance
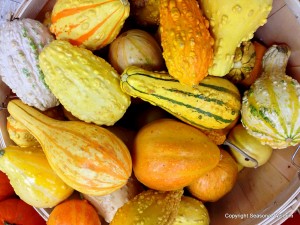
(231, 23)
(21, 42)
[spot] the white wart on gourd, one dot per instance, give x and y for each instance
(21, 41)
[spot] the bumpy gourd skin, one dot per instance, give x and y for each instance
(90, 24)
(186, 41)
(86, 85)
(271, 107)
(231, 23)
(21, 41)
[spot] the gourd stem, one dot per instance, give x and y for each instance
(125, 2)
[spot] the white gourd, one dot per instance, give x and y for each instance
(21, 41)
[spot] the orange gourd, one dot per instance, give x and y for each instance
(217, 182)
(169, 155)
(6, 190)
(186, 40)
(75, 212)
(15, 211)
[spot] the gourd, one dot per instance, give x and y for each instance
(230, 25)
(6, 190)
(249, 145)
(169, 154)
(243, 62)
(149, 207)
(271, 108)
(135, 47)
(186, 41)
(75, 211)
(21, 42)
(16, 211)
(92, 83)
(213, 104)
(87, 157)
(145, 12)
(191, 212)
(28, 179)
(217, 182)
(89, 24)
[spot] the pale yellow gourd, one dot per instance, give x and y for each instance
(231, 23)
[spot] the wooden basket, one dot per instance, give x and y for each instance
(269, 194)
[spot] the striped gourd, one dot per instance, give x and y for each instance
(31, 176)
(90, 24)
(271, 107)
(213, 104)
(87, 157)
(21, 42)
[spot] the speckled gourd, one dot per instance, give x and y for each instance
(186, 41)
(89, 24)
(21, 42)
(230, 25)
(87, 157)
(85, 84)
(271, 107)
(31, 176)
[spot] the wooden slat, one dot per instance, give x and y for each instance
(8, 7)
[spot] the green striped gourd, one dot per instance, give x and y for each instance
(21, 42)
(213, 104)
(271, 107)
(85, 84)
(87, 157)
(90, 24)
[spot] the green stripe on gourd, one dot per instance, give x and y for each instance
(213, 104)
(271, 107)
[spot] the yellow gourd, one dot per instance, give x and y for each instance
(31, 176)
(231, 23)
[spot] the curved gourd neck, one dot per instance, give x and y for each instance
(275, 60)
(125, 2)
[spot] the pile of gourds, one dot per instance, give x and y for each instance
(111, 91)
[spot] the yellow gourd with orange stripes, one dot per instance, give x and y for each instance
(89, 24)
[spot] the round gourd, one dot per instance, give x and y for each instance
(21, 42)
(271, 107)
(217, 182)
(74, 211)
(138, 48)
(250, 145)
(169, 155)
(90, 24)
(6, 190)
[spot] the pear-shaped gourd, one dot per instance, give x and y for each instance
(231, 23)
(31, 176)
(271, 107)
(87, 157)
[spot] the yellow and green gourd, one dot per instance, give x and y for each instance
(231, 23)
(213, 104)
(271, 107)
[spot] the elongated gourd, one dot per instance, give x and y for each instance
(213, 104)
(271, 107)
(87, 157)
(186, 41)
(85, 84)
(89, 24)
(31, 176)
(231, 23)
